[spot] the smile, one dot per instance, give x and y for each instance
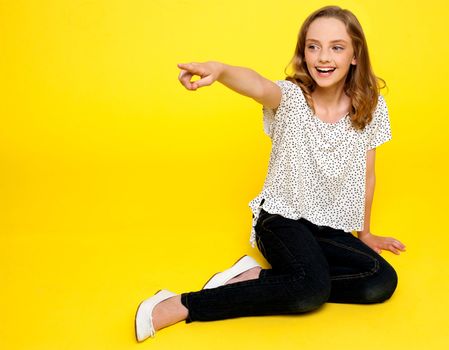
(325, 71)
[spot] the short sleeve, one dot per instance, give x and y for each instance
(379, 128)
(270, 118)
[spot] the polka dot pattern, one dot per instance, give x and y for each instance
(316, 169)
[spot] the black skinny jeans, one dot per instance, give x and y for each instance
(310, 265)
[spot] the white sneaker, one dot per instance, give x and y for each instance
(144, 319)
(219, 279)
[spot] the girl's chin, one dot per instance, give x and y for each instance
(326, 83)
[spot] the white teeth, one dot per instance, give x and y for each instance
(325, 69)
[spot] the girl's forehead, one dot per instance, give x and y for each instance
(327, 29)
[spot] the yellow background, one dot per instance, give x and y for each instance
(115, 181)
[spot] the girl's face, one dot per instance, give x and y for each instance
(328, 52)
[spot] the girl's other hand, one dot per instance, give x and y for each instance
(208, 71)
(377, 243)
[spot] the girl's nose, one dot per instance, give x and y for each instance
(324, 56)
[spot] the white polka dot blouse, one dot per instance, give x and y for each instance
(316, 170)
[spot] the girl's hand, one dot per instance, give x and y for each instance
(377, 243)
(208, 71)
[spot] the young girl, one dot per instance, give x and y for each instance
(325, 121)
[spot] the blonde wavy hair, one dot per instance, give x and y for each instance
(361, 85)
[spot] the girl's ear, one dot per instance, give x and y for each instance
(354, 61)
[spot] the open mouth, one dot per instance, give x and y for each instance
(325, 72)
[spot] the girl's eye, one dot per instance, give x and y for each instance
(336, 48)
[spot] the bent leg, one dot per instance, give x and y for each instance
(298, 281)
(359, 275)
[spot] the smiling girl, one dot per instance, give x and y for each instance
(325, 121)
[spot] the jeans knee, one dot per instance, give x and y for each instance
(316, 300)
(317, 295)
(384, 289)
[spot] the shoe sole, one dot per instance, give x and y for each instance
(161, 299)
(135, 318)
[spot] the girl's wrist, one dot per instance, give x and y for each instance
(220, 67)
(363, 233)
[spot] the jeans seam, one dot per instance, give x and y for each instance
(270, 216)
(263, 227)
(357, 275)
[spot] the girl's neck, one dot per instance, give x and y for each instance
(330, 98)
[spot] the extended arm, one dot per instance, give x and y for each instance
(377, 243)
(370, 184)
(243, 80)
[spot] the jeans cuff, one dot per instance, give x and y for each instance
(184, 301)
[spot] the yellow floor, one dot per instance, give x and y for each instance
(80, 291)
(115, 181)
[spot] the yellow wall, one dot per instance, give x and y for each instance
(109, 167)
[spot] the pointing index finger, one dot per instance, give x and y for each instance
(184, 65)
